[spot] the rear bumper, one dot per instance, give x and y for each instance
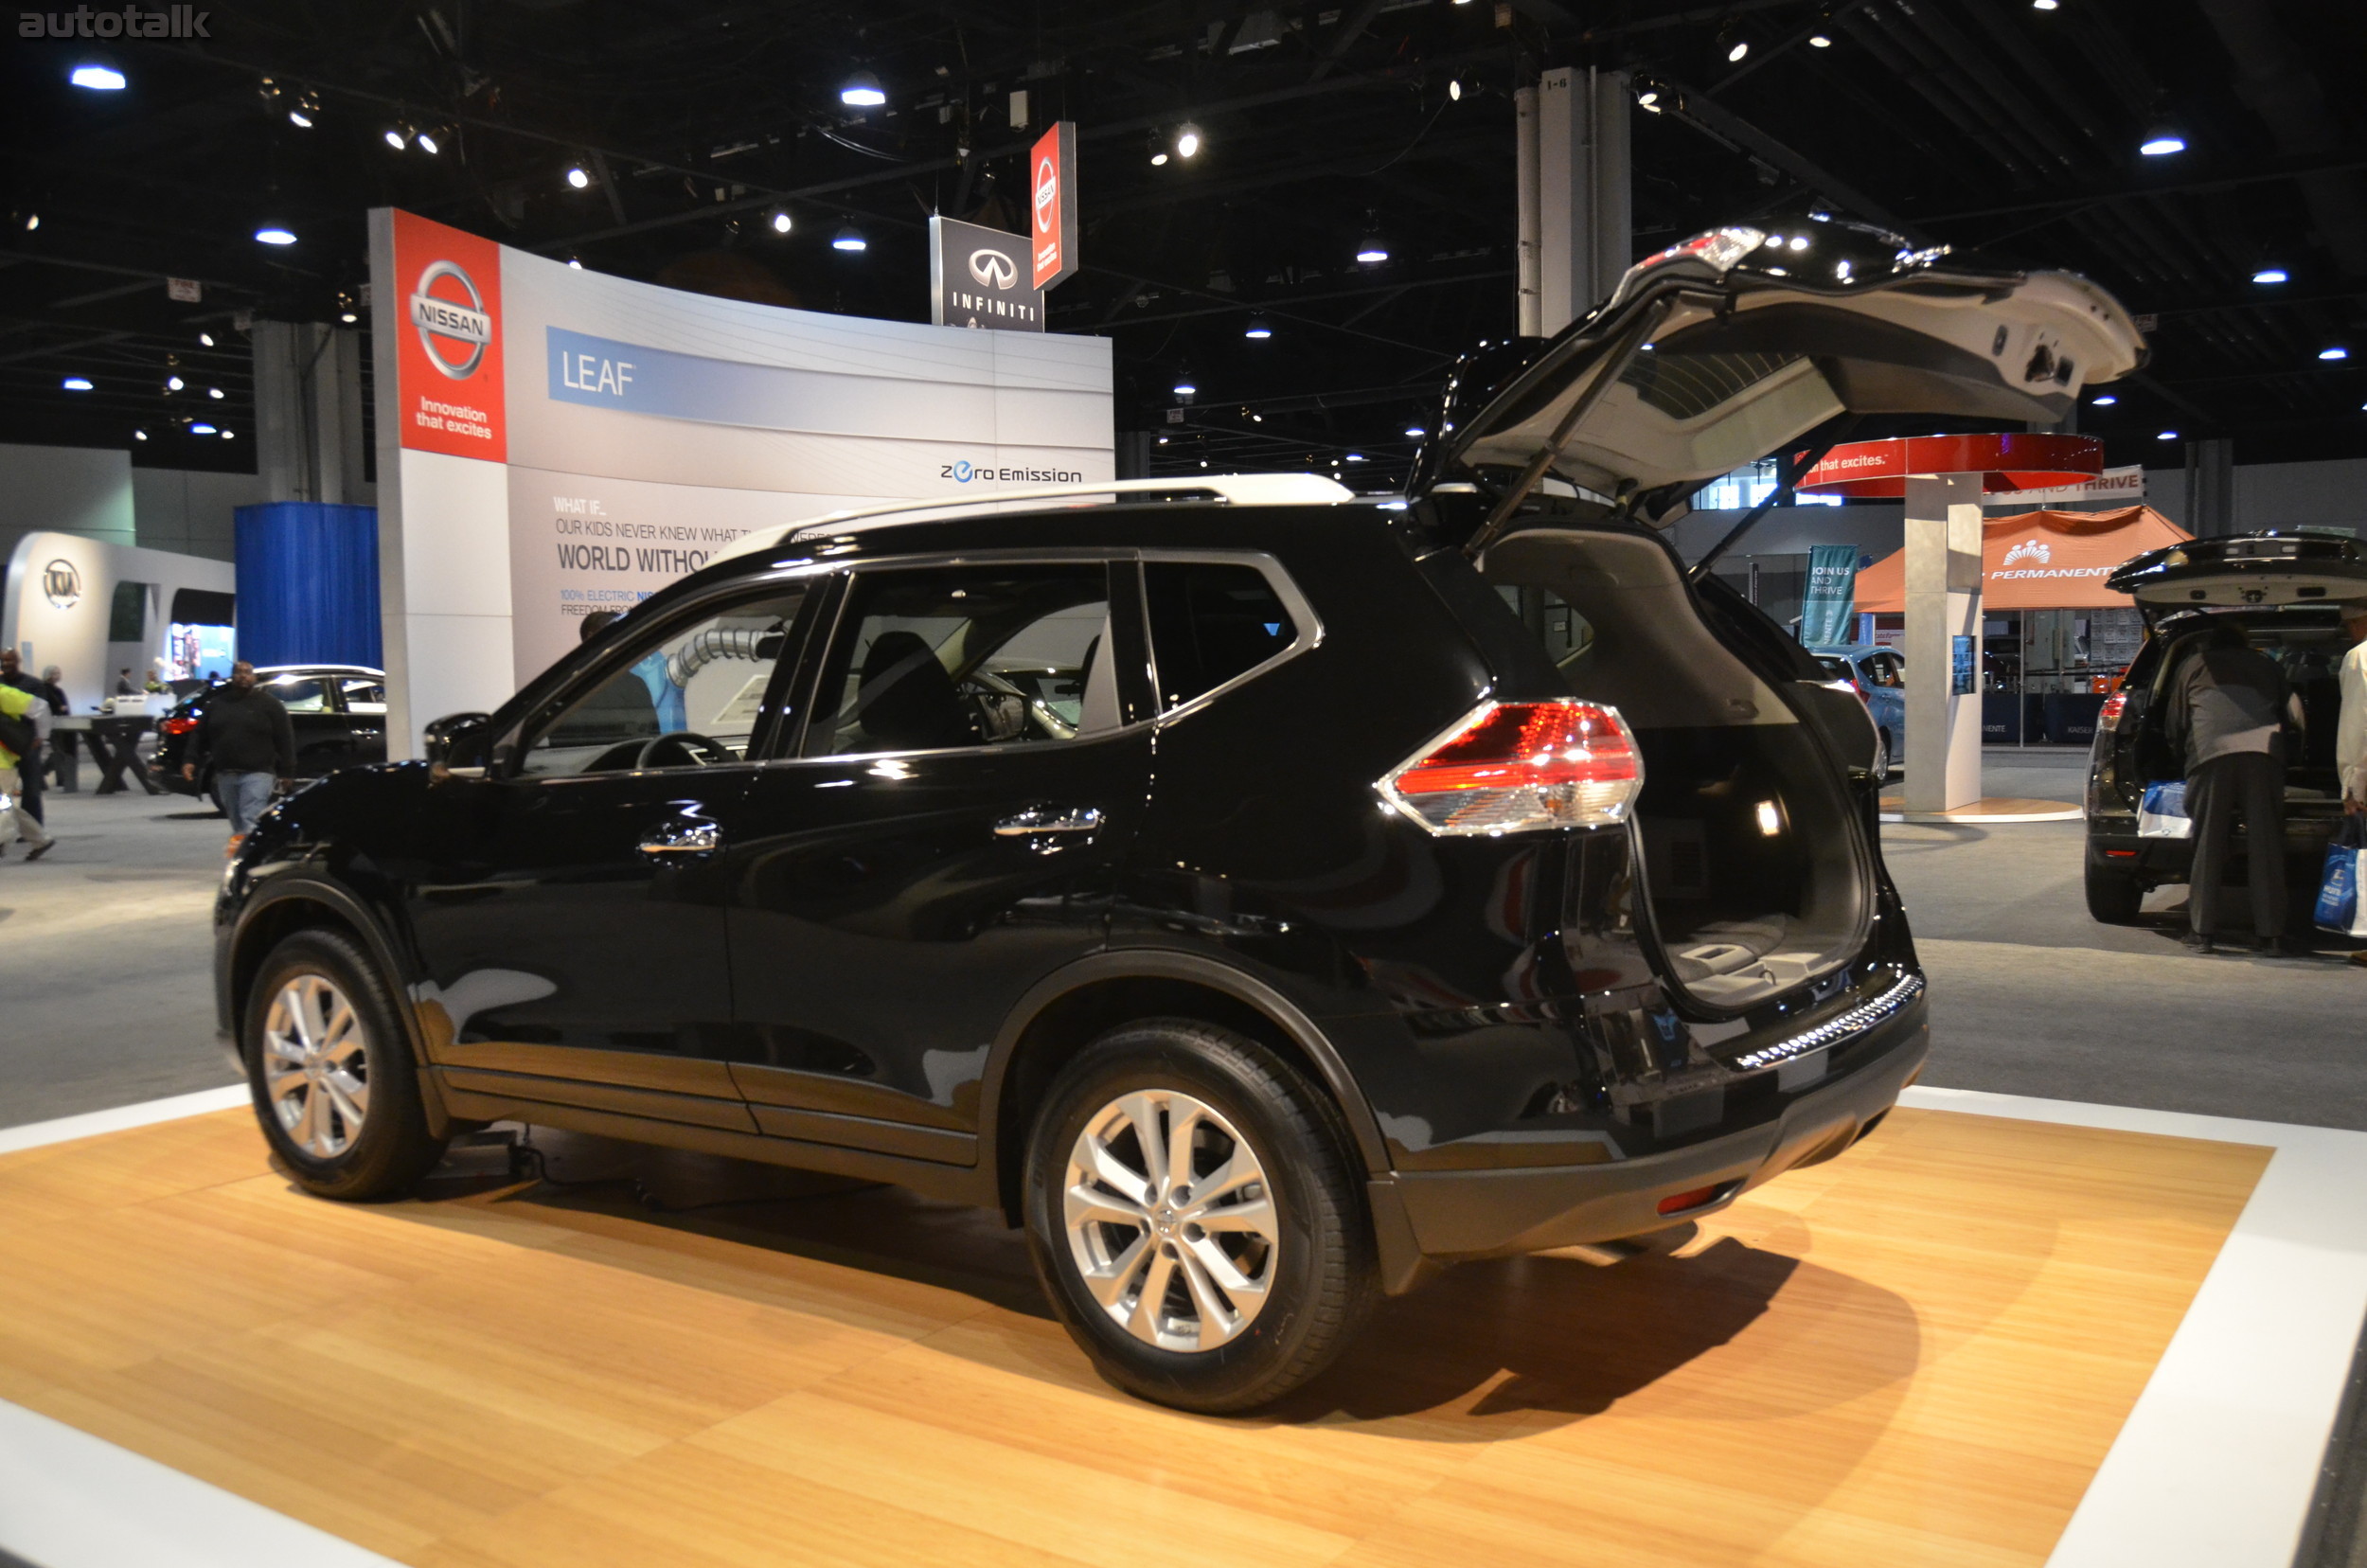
(1465, 1214)
(2112, 842)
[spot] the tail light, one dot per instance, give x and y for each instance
(177, 725)
(1515, 767)
(2109, 715)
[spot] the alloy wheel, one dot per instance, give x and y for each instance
(1171, 1222)
(316, 1076)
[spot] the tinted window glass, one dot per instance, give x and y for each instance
(701, 686)
(298, 694)
(967, 656)
(1210, 622)
(364, 696)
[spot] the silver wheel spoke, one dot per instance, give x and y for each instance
(1143, 1321)
(1218, 1321)
(1184, 1119)
(1091, 1204)
(350, 1099)
(1108, 1285)
(1231, 1177)
(1256, 1217)
(1207, 1254)
(1116, 1173)
(1142, 1111)
(284, 1049)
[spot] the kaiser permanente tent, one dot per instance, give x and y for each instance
(2041, 561)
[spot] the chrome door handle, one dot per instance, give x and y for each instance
(1039, 820)
(684, 838)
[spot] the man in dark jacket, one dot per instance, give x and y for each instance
(2228, 710)
(245, 734)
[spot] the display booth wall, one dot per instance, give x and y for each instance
(308, 583)
(555, 441)
(2041, 561)
(69, 595)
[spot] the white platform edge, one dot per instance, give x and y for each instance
(2215, 1467)
(2219, 1462)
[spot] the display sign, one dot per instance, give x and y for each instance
(1825, 608)
(2117, 485)
(978, 278)
(2005, 461)
(1961, 680)
(448, 345)
(1052, 204)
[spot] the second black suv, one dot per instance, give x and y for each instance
(1260, 895)
(337, 712)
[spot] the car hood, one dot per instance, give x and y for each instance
(2262, 570)
(1754, 338)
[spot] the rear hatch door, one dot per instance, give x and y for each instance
(2248, 571)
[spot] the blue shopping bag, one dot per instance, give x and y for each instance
(2340, 907)
(2162, 812)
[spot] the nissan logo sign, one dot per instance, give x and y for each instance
(993, 269)
(1047, 191)
(445, 322)
(62, 584)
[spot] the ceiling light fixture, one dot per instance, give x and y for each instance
(139, 434)
(302, 121)
(1184, 387)
(205, 338)
(204, 430)
(849, 239)
(99, 78)
(2168, 435)
(1454, 91)
(2043, 5)
(782, 222)
(229, 434)
(1735, 55)
(1187, 140)
(32, 222)
(2161, 143)
(2269, 275)
(272, 234)
(394, 138)
(78, 383)
(214, 392)
(173, 384)
(1257, 330)
(1416, 431)
(863, 91)
(2335, 352)
(1649, 100)
(349, 318)
(425, 142)
(575, 263)
(577, 177)
(1818, 41)
(2104, 400)
(1159, 159)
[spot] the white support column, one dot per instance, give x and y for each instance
(1525, 259)
(1943, 603)
(1586, 228)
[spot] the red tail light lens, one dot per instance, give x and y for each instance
(1514, 767)
(1679, 1202)
(2109, 717)
(178, 726)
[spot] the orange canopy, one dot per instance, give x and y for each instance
(2041, 561)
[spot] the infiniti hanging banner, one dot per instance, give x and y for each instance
(1052, 205)
(978, 278)
(1825, 608)
(555, 441)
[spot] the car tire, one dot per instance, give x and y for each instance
(2115, 896)
(331, 1072)
(1161, 1305)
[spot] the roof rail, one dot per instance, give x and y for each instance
(1238, 489)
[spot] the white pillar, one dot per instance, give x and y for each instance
(1586, 227)
(1524, 267)
(1943, 604)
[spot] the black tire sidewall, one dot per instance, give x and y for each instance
(395, 1149)
(1284, 1121)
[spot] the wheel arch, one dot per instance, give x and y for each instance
(1071, 1008)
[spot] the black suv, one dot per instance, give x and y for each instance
(336, 712)
(1260, 895)
(2285, 592)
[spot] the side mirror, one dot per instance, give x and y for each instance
(459, 741)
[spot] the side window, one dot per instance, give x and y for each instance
(1888, 671)
(689, 697)
(363, 695)
(300, 694)
(1210, 622)
(937, 658)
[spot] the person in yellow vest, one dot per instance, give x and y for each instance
(24, 726)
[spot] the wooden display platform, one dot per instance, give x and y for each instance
(1916, 1353)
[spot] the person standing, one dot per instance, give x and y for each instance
(59, 751)
(124, 686)
(2350, 728)
(2228, 710)
(30, 768)
(245, 734)
(23, 724)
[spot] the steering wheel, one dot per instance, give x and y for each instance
(695, 750)
(984, 687)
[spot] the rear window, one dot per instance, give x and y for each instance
(1211, 622)
(1838, 669)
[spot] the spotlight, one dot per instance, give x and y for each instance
(139, 434)
(1184, 387)
(394, 139)
(1187, 140)
(32, 222)
(78, 383)
(214, 392)
(99, 78)
(349, 318)
(1649, 100)
(1373, 249)
(850, 238)
(2168, 435)
(204, 430)
(1257, 329)
(1734, 56)
(1455, 92)
(863, 91)
(173, 384)
(2102, 400)
(302, 121)
(1797, 242)
(1356, 456)
(205, 338)
(272, 234)
(577, 177)
(1818, 41)
(2335, 353)
(425, 142)
(229, 434)
(2043, 5)
(2269, 275)
(2161, 143)
(573, 262)
(782, 222)
(1416, 431)
(1158, 160)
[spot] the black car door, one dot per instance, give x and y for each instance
(946, 833)
(569, 906)
(362, 699)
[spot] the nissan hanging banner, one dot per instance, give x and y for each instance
(1052, 204)
(978, 278)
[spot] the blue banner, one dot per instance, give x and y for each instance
(1832, 594)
